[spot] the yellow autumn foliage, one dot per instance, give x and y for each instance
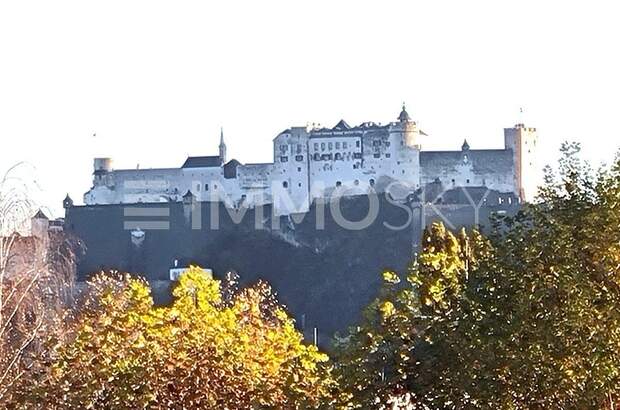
(201, 352)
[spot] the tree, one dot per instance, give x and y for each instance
(410, 349)
(526, 318)
(203, 351)
(36, 278)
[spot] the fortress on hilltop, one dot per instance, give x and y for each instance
(268, 221)
(310, 163)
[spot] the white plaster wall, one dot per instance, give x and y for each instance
(290, 181)
(307, 165)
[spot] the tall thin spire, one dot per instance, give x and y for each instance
(222, 146)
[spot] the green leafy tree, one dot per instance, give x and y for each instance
(528, 318)
(411, 342)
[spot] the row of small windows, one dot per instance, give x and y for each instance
(378, 155)
(298, 158)
(337, 156)
(284, 148)
(330, 145)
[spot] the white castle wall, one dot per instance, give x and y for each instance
(314, 163)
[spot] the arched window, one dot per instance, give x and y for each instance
(285, 184)
(356, 182)
(371, 182)
(338, 183)
(338, 156)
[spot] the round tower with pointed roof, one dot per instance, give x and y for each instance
(409, 129)
(404, 115)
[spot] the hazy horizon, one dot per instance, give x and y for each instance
(155, 81)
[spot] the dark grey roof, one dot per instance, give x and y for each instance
(230, 169)
(482, 160)
(341, 126)
(203, 162)
(40, 215)
(404, 115)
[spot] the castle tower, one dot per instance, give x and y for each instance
(523, 142)
(40, 224)
(222, 146)
(409, 129)
(67, 202)
(102, 168)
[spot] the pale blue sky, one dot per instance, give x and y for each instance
(155, 80)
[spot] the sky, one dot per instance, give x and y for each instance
(155, 80)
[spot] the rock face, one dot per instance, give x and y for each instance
(323, 268)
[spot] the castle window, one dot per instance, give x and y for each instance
(356, 182)
(403, 172)
(243, 197)
(453, 182)
(388, 155)
(357, 155)
(357, 143)
(387, 143)
(322, 146)
(337, 145)
(376, 155)
(338, 183)
(299, 158)
(299, 184)
(344, 145)
(316, 146)
(371, 182)
(285, 184)
(468, 181)
(298, 169)
(214, 186)
(330, 146)
(298, 148)
(283, 148)
(283, 159)
(317, 156)
(206, 187)
(197, 188)
(338, 156)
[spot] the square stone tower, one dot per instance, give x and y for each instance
(523, 142)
